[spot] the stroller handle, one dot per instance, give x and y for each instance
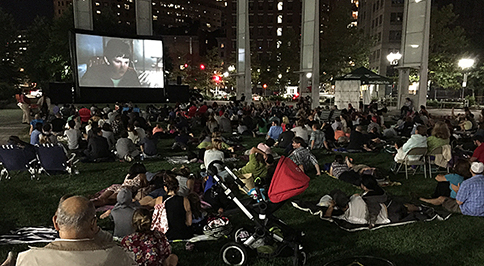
(213, 170)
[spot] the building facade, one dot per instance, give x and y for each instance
(382, 21)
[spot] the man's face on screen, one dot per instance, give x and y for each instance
(119, 66)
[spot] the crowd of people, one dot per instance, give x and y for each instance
(151, 208)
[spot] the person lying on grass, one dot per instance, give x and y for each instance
(134, 180)
(367, 208)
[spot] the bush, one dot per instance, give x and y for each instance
(7, 93)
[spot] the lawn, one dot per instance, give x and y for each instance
(457, 241)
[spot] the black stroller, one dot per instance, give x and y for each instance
(288, 181)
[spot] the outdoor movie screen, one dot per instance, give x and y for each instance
(112, 62)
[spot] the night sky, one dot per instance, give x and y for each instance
(25, 11)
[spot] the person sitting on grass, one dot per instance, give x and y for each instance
(172, 215)
(122, 213)
(256, 168)
(134, 180)
(80, 242)
(445, 182)
(469, 199)
(478, 155)
(149, 247)
(274, 131)
(316, 138)
(302, 157)
(97, 146)
(359, 141)
(148, 145)
(125, 148)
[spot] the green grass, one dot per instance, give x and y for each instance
(457, 241)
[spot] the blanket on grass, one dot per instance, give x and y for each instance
(184, 159)
(27, 235)
(427, 214)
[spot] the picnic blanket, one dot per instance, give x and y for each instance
(427, 214)
(184, 159)
(27, 235)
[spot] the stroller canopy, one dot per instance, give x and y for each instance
(288, 181)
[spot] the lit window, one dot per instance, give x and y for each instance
(279, 19)
(98, 11)
(280, 5)
(126, 6)
(155, 17)
(222, 45)
(119, 6)
(98, 4)
(279, 31)
(278, 44)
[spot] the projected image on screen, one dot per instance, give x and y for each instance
(119, 62)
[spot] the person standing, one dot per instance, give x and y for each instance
(24, 104)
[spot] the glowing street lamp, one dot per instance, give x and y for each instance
(466, 63)
(393, 58)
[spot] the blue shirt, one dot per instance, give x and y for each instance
(471, 193)
(274, 132)
(34, 137)
(454, 179)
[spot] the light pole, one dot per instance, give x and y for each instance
(466, 63)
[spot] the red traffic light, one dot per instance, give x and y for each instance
(186, 65)
(202, 66)
(217, 78)
(264, 86)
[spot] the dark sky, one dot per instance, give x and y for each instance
(25, 11)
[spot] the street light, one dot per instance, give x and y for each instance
(393, 58)
(466, 63)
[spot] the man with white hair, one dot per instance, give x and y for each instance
(470, 194)
(81, 241)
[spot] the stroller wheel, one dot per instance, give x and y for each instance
(233, 254)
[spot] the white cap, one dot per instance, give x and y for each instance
(477, 167)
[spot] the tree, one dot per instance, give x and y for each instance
(48, 56)
(8, 49)
(343, 46)
(447, 43)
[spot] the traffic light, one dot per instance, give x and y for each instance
(264, 86)
(202, 67)
(217, 78)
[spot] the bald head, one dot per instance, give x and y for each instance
(76, 216)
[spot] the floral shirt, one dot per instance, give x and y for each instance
(149, 248)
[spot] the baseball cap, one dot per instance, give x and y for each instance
(477, 167)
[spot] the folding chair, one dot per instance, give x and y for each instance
(15, 158)
(435, 152)
(407, 160)
(53, 159)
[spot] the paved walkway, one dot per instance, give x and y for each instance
(11, 124)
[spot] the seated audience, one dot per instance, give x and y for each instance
(447, 182)
(478, 155)
(134, 180)
(125, 148)
(274, 131)
(149, 247)
(470, 194)
(80, 242)
(172, 215)
(417, 140)
(302, 157)
(97, 146)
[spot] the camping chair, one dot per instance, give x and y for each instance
(417, 151)
(324, 115)
(434, 153)
(15, 158)
(53, 159)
